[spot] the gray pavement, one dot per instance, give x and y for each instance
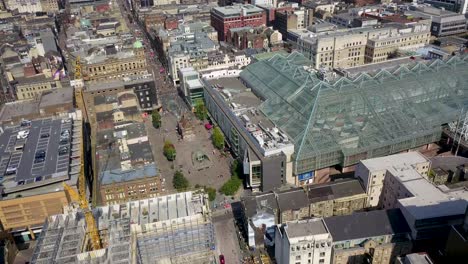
(227, 243)
(214, 176)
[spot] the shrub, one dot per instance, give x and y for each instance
(179, 181)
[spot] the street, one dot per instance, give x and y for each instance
(227, 243)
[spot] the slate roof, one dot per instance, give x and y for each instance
(367, 224)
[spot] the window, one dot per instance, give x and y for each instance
(322, 254)
(321, 260)
(298, 257)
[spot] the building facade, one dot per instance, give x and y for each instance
(225, 18)
(386, 235)
(303, 242)
(349, 48)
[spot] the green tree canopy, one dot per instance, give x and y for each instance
(156, 119)
(169, 150)
(211, 193)
(200, 110)
(179, 181)
(231, 186)
(217, 138)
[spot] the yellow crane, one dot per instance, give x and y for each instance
(80, 196)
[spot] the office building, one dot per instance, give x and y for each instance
(264, 149)
(401, 181)
(236, 16)
(369, 237)
(303, 242)
(191, 86)
(354, 47)
(37, 157)
(169, 229)
(444, 23)
(458, 6)
(113, 64)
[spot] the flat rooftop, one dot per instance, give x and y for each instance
(236, 10)
(409, 61)
(427, 200)
(19, 168)
(306, 228)
(243, 103)
(124, 154)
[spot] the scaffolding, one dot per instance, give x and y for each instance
(341, 121)
(184, 238)
(168, 229)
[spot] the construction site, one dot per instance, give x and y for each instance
(175, 228)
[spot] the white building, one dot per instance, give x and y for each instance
(303, 242)
(400, 181)
(372, 172)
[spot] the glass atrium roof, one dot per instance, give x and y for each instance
(342, 121)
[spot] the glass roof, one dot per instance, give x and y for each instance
(358, 115)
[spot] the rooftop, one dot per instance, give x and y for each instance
(334, 190)
(426, 200)
(20, 166)
(303, 228)
(124, 154)
(346, 118)
(236, 10)
(244, 105)
(124, 229)
(376, 223)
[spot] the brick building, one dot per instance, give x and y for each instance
(225, 18)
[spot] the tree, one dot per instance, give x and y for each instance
(231, 186)
(169, 150)
(218, 138)
(236, 169)
(211, 193)
(156, 118)
(179, 181)
(200, 110)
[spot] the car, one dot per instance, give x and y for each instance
(65, 132)
(40, 154)
(22, 134)
(63, 150)
(39, 160)
(46, 135)
(25, 123)
(10, 170)
(221, 259)
(64, 141)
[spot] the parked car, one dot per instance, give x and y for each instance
(46, 135)
(40, 154)
(221, 259)
(63, 150)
